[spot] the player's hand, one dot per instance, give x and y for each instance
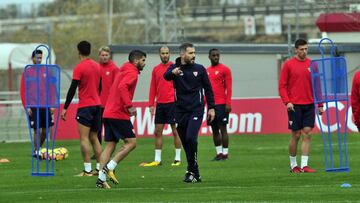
(211, 115)
(177, 71)
(29, 112)
(290, 107)
(152, 110)
(320, 110)
(132, 111)
(227, 108)
(63, 114)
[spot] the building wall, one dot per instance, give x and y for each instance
(255, 73)
(247, 71)
(346, 37)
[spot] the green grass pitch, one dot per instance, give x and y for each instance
(257, 171)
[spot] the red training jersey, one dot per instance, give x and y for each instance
(122, 93)
(108, 73)
(355, 98)
(88, 73)
(161, 89)
(221, 83)
(295, 82)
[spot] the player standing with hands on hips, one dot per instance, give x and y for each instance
(190, 81)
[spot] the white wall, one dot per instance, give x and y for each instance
(254, 75)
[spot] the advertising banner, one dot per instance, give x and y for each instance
(248, 116)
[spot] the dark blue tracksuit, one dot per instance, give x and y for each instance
(189, 106)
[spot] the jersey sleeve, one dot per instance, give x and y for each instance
(22, 90)
(115, 71)
(124, 89)
(228, 85)
(209, 94)
(355, 99)
(152, 92)
(76, 73)
(317, 84)
(283, 83)
(168, 75)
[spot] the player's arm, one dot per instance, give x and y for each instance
(22, 94)
(124, 91)
(228, 87)
(209, 94)
(22, 89)
(355, 98)
(100, 85)
(283, 85)
(171, 72)
(69, 97)
(152, 92)
(317, 87)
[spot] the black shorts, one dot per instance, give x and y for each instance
(90, 117)
(164, 113)
(303, 116)
(41, 119)
(221, 116)
(116, 129)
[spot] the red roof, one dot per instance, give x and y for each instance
(339, 22)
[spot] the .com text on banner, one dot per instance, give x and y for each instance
(248, 116)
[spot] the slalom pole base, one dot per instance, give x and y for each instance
(43, 174)
(344, 169)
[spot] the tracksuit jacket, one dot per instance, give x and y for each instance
(189, 86)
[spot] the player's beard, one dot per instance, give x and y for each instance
(140, 67)
(190, 60)
(302, 56)
(165, 60)
(215, 62)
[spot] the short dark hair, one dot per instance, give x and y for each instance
(136, 54)
(213, 49)
(84, 48)
(300, 42)
(184, 46)
(37, 51)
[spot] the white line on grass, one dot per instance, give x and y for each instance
(314, 146)
(168, 189)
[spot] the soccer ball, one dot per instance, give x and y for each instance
(59, 154)
(46, 155)
(63, 151)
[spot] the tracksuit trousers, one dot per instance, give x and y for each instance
(188, 125)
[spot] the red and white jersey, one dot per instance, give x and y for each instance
(108, 73)
(122, 93)
(160, 90)
(295, 84)
(355, 98)
(221, 83)
(88, 73)
(32, 86)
